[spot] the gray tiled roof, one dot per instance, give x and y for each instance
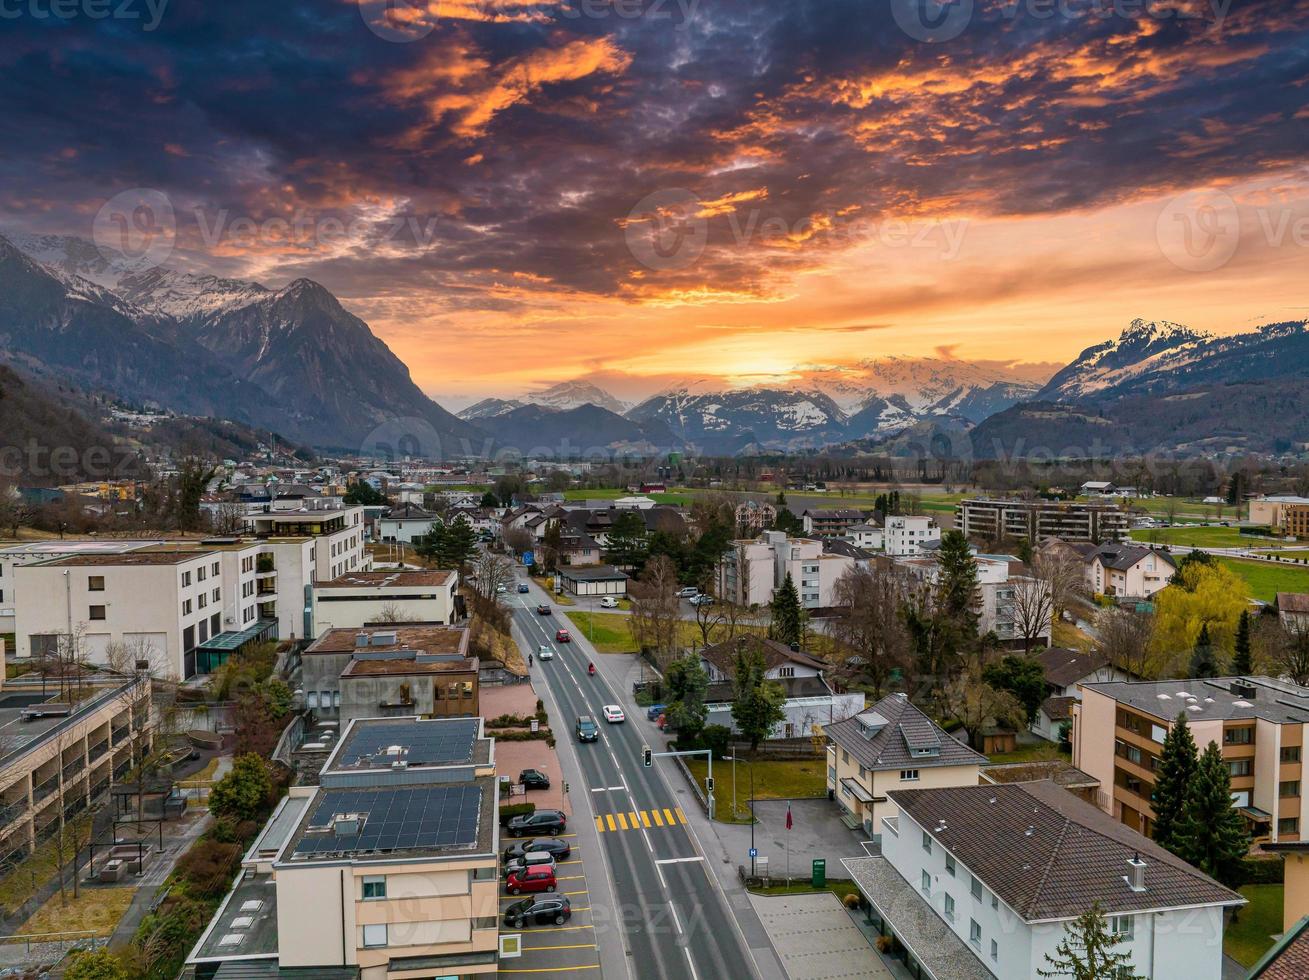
(1124, 556)
(1063, 667)
(890, 748)
(1213, 699)
(1049, 854)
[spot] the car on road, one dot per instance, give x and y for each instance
(654, 711)
(522, 588)
(552, 822)
(531, 880)
(608, 602)
(534, 779)
(500, 590)
(587, 730)
(561, 849)
(538, 911)
(545, 652)
(543, 610)
(613, 714)
(529, 859)
(702, 600)
(690, 592)
(562, 636)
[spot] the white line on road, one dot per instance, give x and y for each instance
(691, 963)
(679, 860)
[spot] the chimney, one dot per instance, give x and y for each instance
(1135, 876)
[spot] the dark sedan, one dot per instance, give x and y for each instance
(558, 849)
(539, 911)
(534, 779)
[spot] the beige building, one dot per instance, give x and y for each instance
(1037, 520)
(1119, 729)
(359, 598)
(1274, 510)
(751, 570)
(891, 745)
(1128, 571)
(387, 870)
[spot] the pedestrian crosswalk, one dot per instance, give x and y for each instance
(637, 819)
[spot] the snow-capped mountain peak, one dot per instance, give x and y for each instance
(573, 394)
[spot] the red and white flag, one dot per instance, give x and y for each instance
(788, 816)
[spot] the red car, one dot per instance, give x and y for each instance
(540, 878)
(561, 636)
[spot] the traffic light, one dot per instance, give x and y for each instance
(647, 759)
(709, 785)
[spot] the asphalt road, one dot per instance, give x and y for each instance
(668, 911)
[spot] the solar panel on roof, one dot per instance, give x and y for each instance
(395, 819)
(423, 743)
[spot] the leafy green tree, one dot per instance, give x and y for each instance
(627, 545)
(1087, 951)
(489, 499)
(277, 697)
(1212, 834)
(674, 548)
(508, 487)
(685, 683)
(788, 614)
(95, 964)
(243, 792)
(1203, 661)
(1242, 662)
(757, 702)
(449, 545)
(1023, 677)
(1177, 765)
(363, 494)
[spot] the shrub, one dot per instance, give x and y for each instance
(884, 944)
(95, 964)
(243, 793)
(1261, 871)
(209, 866)
(717, 738)
(853, 900)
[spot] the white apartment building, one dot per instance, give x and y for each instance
(359, 598)
(981, 881)
(998, 577)
(750, 572)
(868, 536)
(906, 535)
(337, 534)
(39, 551)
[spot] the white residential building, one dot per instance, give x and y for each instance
(750, 572)
(868, 536)
(981, 881)
(359, 598)
(905, 535)
(40, 551)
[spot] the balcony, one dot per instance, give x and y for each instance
(264, 565)
(46, 788)
(12, 811)
(71, 770)
(98, 750)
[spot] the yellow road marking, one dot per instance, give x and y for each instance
(609, 819)
(645, 819)
(600, 824)
(635, 821)
(668, 815)
(680, 815)
(622, 820)
(658, 818)
(559, 928)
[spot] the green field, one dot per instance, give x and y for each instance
(774, 779)
(674, 498)
(1200, 536)
(1251, 933)
(1193, 508)
(1266, 579)
(609, 632)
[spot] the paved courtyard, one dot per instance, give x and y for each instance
(816, 939)
(816, 832)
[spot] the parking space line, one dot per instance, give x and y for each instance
(562, 928)
(569, 946)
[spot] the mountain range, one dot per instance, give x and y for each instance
(295, 362)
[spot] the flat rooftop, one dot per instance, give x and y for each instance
(377, 743)
(1213, 699)
(400, 668)
(171, 556)
(245, 924)
(425, 639)
(73, 547)
(394, 578)
(22, 735)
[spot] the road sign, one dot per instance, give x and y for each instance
(754, 852)
(529, 559)
(819, 878)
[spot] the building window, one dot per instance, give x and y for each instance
(97, 612)
(785, 671)
(95, 583)
(1290, 753)
(977, 888)
(200, 574)
(186, 579)
(202, 601)
(1239, 767)
(1122, 925)
(927, 883)
(374, 887)
(311, 699)
(186, 607)
(927, 842)
(949, 907)
(949, 865)
(908, 775)
(1238, 736)
(845, 757)
(975, 933)
(336, 699)
(995, 950)
(486, 922)
(374, 936)
(485, 873)
(995, 901)
(1289, 787)
(1288, 825)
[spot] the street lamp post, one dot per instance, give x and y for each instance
(752, 821)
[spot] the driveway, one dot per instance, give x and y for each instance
(816, 939)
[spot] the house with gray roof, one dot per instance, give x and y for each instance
(891, 745)
(982, 881)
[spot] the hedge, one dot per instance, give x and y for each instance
(1262, 871)
(507, 813)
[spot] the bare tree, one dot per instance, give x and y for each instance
(1124, 636)
(150, 704)
(14, 511)
(656, 615)
(518, 540)
(709, 615)
(869, 630)
(392, 612)
(1033, 608)
(228, 518)
(490, 572)
(1292, 659)
(1065, 571)
(975, 704)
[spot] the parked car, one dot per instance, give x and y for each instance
(561, 636)
(654, 711)
(538, 911)
(531, 880)
(552, 822)
(522, 588)
(587, 730)
(543, 609)
(690, 592)
(561, 849)
(608, 602)
(702, 600)
(529, 859)
(500, 590)
(613, 714)
(545, 652)
(534, 779)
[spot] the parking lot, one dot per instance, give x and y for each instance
(550, 950)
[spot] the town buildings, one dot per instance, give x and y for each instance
(891, 745)
(755, 516)
(1275, 510)
(593, 581)
(1293, 611)
(386, 870)
(1065, 671)
(1016, 620)
(1258, 722)
(981, 881)
(751, 570)
(1037, 520)
(830, 522)
(385, 596)
(1126, 571)
(906, 535)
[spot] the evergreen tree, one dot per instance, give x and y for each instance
(1087, 951)
(551, 544)
(490, 500)
(1172, 787)
(1203, 661)
(757, 703)
(1241, 659)
(627, 545)
(1021, 676)
(781, 499)
(1211, 834)
(787, 522)
(449, 545)
(363, 494)
(788, 614)
(956, 584)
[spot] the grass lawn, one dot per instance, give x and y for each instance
(16, 887)
(1266, 579)
(1046, 752)
(802, 887)
(96, 909)
(1298, 554)
(1069, 637)
(610, 632)
(1199, 536)
(774, 779)
(1249, 937)
(672, 498)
